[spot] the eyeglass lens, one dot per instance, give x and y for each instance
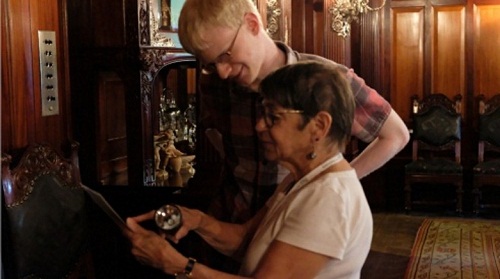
(223, 58)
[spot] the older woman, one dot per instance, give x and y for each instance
(318, 223)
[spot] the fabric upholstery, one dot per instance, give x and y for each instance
(437, 126)
(488, 167)
(489, 129)
(49, 229)
(434, 165)
(46, 221)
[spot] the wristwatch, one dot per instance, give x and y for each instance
(187, 270)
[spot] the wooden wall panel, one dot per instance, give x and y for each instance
(336, 48)
(5, 77)
(104, 60)
(448, 69)
(486, 49)
(17, 77)
(108, 20)
(297, 25)
(407, 58)
(369, 45)
(45, 16)
(309, 26)
(21, 20)
(453, 46)
(112, 153)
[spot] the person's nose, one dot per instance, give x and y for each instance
(260, 126)
(224, 70)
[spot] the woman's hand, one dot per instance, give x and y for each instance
(191, 220)
(151, 248)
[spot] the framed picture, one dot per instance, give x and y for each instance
(158, 23)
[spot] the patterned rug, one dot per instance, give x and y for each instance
(456, 248)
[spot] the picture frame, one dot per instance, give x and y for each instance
(158, 23)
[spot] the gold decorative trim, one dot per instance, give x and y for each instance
(273, 19)
(144, 37)
(345, 11)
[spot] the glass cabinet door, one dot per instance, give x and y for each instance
(174, 123)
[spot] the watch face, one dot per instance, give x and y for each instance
(168, 217)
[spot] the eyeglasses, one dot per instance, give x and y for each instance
(225, 57)
(270, 118)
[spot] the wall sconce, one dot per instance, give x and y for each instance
(345, 11)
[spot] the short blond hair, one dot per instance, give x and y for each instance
(197, 16)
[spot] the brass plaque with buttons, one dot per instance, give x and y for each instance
(48, 72)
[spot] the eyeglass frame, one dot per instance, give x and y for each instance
(270, 122)
(224, 57)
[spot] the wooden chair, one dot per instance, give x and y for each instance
(487, 169)
(45, 218)
(436, 147)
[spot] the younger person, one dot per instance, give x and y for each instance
(229, 39)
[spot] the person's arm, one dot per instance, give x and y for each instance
(393, 137)
(281, 260)
(152, 249)
(226, 238)
(375, 122)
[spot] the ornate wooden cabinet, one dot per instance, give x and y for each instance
(168, 101)
(168, 79)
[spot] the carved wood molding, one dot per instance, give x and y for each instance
(153, 60)
(37, 161)
(437, 99)
(274, 19)
(490, 105)
(144, 35)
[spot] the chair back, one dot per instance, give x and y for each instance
(486, 173)
(436, 125)
(489, 125)
(46, 218)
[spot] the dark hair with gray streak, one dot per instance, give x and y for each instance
(313, 87)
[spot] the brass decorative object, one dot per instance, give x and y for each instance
(345, 11)
(273, 18)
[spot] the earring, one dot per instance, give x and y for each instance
(311, 155)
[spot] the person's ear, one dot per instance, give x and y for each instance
(322, 122)
(252, 22)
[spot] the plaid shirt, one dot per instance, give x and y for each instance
(232, 110)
